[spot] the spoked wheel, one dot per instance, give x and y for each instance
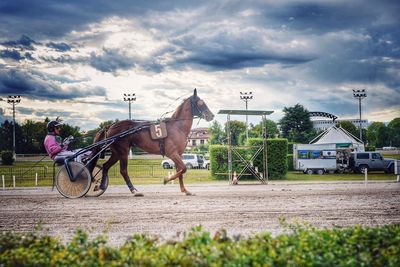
(94, 190)
(77, 188)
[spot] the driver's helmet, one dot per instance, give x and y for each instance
(52, 125)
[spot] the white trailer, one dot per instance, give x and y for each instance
(314, 158)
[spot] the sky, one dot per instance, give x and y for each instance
(76, 59)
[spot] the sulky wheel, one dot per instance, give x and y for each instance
(94, 190)
(77, 188)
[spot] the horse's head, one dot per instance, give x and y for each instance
(199, 108)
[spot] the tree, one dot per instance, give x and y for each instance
(256, 130)
(217, 134)
(33, 134)
(296, 125)
(394, 132)
(382, 138)
(372, 132)
(236, 127)
(350, 127)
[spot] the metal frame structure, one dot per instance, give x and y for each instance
(263, 177)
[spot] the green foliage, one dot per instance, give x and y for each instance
(394, 132)
(219, 161)
(7, 157)
(370, 148)
(237, 127)
(276, 151)
(301, 245)
(290, 147)
(296, 125)
(256, 130)
(217, 134)
(350, 127)
(290, 162)
(276, 154)
(377, 134)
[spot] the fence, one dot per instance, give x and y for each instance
(43, 175)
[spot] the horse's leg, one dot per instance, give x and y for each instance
(183, 189)
(106, 166)
(124, 172)
(180, 170)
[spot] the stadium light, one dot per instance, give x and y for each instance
(129, 98)
(13, 100)
(360, 94)
(246, 96)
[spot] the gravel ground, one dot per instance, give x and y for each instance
(163, 211)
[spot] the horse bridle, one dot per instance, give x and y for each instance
(196, 111)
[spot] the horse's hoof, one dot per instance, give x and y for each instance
(138, 194)
(187, 193)
(165, 181)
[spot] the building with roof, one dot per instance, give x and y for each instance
(197, 137)
(322, 125)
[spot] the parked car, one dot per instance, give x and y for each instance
(206, 164)
(359, 161)
(191, 161)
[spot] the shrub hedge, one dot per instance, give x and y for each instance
(276, 152)
(290, 147)
(290, 162)
(302, 246)
(7, 157)
(370, 148)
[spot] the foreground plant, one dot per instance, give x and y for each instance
(301, 245)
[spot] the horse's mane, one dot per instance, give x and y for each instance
(179, 108)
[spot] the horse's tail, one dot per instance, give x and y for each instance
(100, 135)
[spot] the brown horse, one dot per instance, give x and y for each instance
(178, 128)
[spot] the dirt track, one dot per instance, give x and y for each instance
(242, 209)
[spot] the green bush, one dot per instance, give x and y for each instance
(290, 162)
(276, 154)
(219, 161)
(298, 246)
(370, 148)
(7, 157)
(290, 147)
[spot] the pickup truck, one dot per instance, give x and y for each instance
(373, 161)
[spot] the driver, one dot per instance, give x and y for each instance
(56, 149)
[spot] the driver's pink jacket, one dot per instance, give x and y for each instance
(52, 147)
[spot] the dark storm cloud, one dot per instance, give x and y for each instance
(110, 61)
(36, 87)
(237, 60)
(12, 54)
(61, 47)
(56, 18)
(24, 42)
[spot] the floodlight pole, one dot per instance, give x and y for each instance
(246, 96)
(13, 100)
(360, 94)
(129, 98)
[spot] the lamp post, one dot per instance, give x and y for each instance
(360, 94)
(13, 100)
(129, 98)
(246, 96)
